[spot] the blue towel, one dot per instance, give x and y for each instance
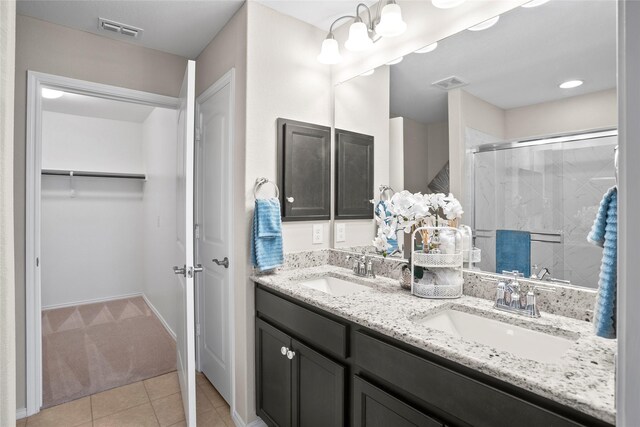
(266, 235)
(605, 234)
(513, 251)
(381, 207)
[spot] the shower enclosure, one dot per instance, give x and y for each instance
(549, 187)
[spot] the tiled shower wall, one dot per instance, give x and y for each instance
(554, 189)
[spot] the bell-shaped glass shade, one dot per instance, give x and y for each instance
(359, 39)
(330, 52)
(391, 23)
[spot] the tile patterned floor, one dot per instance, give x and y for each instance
(155, 402)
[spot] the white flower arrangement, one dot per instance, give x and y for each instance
(406, 210)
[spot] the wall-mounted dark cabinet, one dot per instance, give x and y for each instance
(376, 381)
(354, 175)
(304, 170)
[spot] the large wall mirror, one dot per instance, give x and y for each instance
(518, 119)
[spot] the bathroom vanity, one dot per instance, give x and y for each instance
(365, 357)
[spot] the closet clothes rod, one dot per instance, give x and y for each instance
(58, 172)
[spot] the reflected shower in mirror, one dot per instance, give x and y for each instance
(517, 120)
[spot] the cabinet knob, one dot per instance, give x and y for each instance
(284, 351)
(291, 354)
(290, 199)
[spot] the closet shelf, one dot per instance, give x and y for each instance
(60, 172)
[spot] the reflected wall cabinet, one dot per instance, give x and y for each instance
(354, 175)
(304, 170)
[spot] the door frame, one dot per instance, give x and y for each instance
(227, 79)
(35, 82)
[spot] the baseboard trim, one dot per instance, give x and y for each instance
(21, 413)
(159, 316)
(240, 423)
(92, 301)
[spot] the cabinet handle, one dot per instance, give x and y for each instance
(284, 351)
(291, 354)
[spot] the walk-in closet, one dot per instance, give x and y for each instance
(107, 236)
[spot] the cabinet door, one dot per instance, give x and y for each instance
(304, 170)
(373, 407)
(273, 375)
(354, 175)
(318, 389)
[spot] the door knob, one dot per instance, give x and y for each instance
(224, 262)
(180, 270)
(290, 199)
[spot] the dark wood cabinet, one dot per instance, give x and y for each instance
(304, 170)
(318, 389)
(296, 385)
(273, 373)
(373, 407)
(354, 175)
(345, 374)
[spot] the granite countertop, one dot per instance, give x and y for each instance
(584, 379)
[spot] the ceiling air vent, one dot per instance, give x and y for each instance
(449, 83)
(117, 27)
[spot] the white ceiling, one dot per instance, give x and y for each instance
(520, 61)
(91, 106)
(182, 27)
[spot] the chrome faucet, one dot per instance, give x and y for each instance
(542, 273)
(509, 296)
(362, 266)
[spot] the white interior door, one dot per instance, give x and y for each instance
(214, 145)
(184, 269)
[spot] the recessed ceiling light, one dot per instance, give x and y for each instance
(396, 61)
(368, 73)
(570, 84)
(486, 24)
(535, 3)
(51, 93)
(446, 4)
(429, 48)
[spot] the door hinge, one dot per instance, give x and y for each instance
(197, 329)
(196, 231)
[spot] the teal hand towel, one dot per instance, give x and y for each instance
(266, 236)
(605, 234)
(513, 251)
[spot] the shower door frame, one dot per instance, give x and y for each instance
(35, 82)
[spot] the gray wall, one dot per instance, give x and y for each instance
(53, 49)
(426, 151)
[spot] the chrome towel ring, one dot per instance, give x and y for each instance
(260, 182)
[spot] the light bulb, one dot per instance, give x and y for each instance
(570, 84)
(391, 23)
(428, 48)
(330, 52)
(359, 39)
(51, 93)
(446, 4)
(486, 24)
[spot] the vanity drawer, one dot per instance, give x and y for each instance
(313, 328)
(465, 398)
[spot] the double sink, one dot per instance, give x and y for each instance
(500, 335)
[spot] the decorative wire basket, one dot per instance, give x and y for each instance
(451, 261)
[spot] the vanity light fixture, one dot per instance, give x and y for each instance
(570, 84)
(428, 48)
(486, 24)
(51, 93)
(447, 4)
(364, 33)
(396, 61)
(535, 3)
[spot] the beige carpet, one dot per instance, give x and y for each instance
(95, 347)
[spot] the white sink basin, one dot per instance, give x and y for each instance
(519, 341)
(333, 286)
